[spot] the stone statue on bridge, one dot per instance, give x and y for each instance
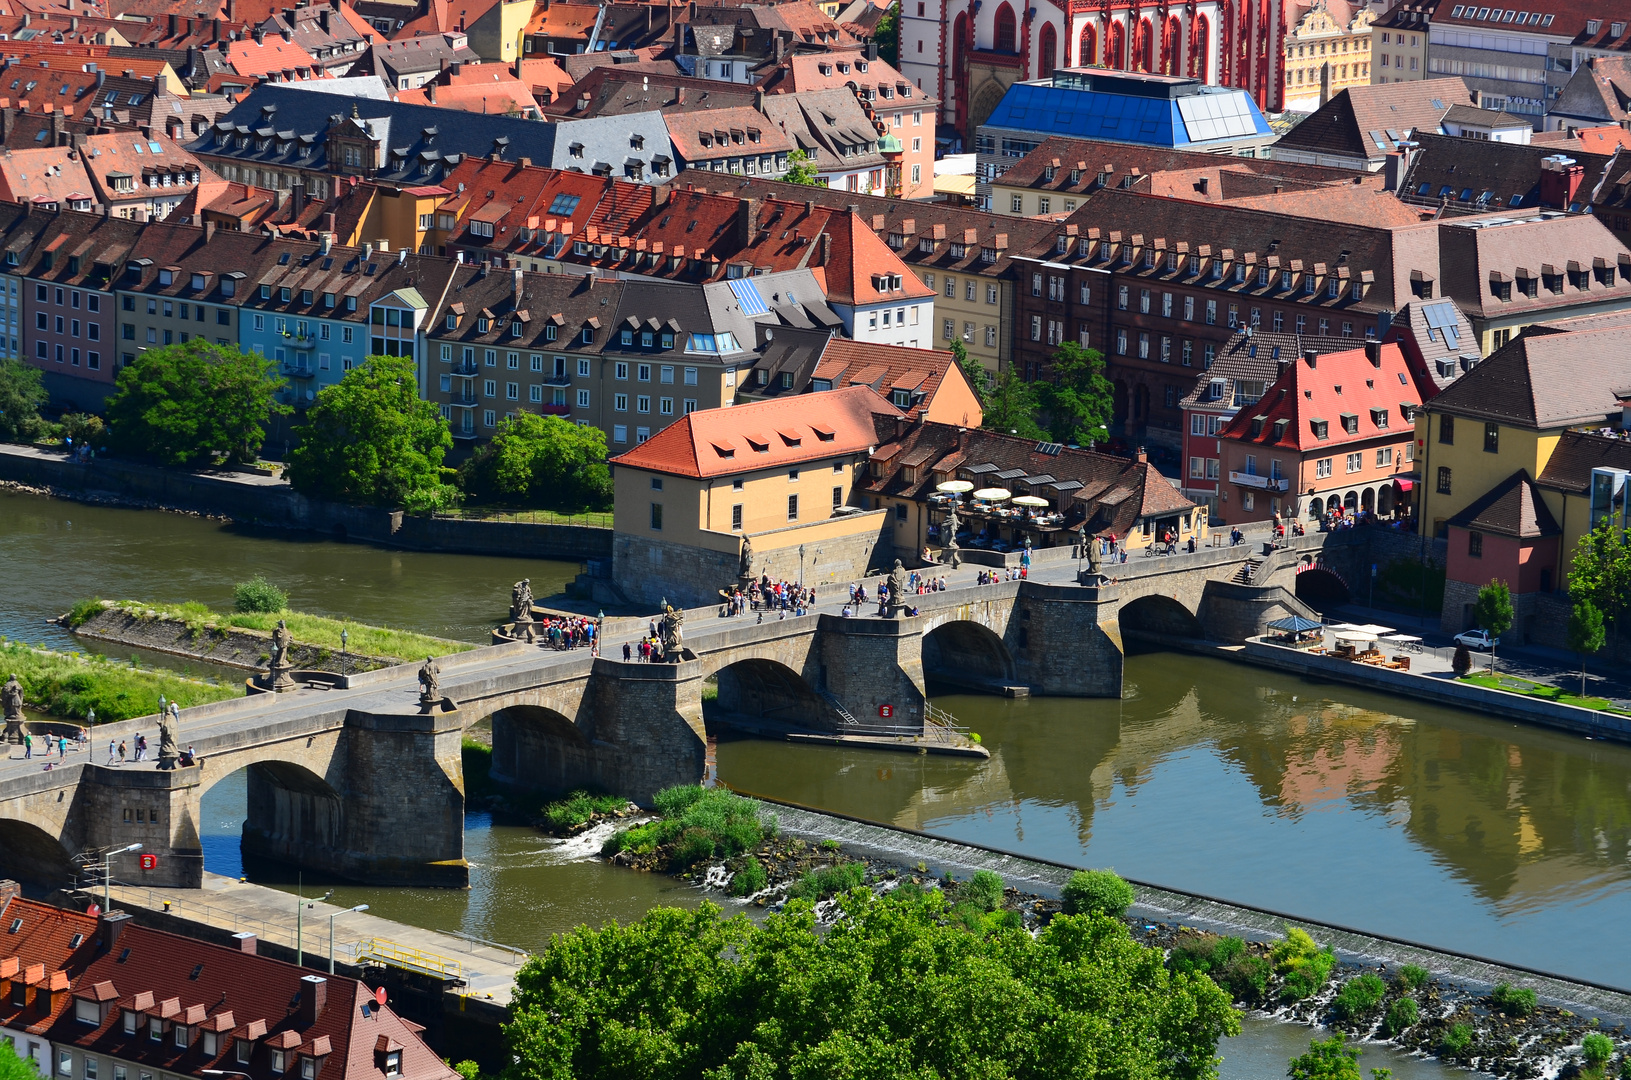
(952, 554)
(280, 670)
(430, 685)
(11, 698)
(169, 750)
(1090, 545)
(521, 601)
(745, 572)
(897, 591)
(671, 634)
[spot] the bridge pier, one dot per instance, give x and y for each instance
(155, 808)
(644, 722)
(871, 666)
(1066, 640)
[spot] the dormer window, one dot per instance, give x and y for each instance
(166, 277)
(482, 325)
(637, 142)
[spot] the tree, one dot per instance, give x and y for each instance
(1079, 399)
(21, 394)
(370, 438)
(1493, 612)
(1010, 406)
(543, 461)
(887, 35)
(801, 169)
(1327, 1059)
(13, 1066)
(1099, 892)
(1601, 571)
(894, 989)
(190, 404)
(1585, 634)
(979, 380)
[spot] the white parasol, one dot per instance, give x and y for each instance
(993, 494)
(955, 487)
(1029, 500)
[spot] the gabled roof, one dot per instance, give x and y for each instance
(921, 374)
(764, 434)
(1309, 406)
(1545, 379)
(707, 134)
(1492, 175)
(1513, 507)
(1599, 90)
(50, 938)
(1532, 246)
(1357, 122)
(1256, 357)
(1577, 453)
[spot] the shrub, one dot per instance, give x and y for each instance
(827, 881)
(1456, 1040)
(1302, 964)
(1512, 1000)
(1359, 996)
(1330, 1059)
(468, 1070)
(984, 890)
(1412, 977)
(82, 428)
(1098, 892)
(83, 611)
(698, 823)
(750, 879)
(1246, 978)
(1204, 953)
(1597, 1048)
(259, 595)
(1462, 662)
(1402, 1014)
(578, 808)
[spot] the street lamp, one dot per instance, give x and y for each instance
(107, 871)
(300, 905)
(224, 1072)
(331, 918)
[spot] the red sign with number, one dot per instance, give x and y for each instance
(886, 711)
(150, 862)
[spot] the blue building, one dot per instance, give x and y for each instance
(1102, 105)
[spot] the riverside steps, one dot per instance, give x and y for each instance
(353, 779)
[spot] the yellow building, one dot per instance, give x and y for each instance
(1328, 49)
(764, 488)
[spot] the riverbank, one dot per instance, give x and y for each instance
(244, 639)
(69, 686)
(259, 499)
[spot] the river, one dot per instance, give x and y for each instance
(1447, 827)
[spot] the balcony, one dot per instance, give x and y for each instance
(465, 400)
(1265, 483)
(466, 368)
(296, 369)
(300, 341)
(555, 410)
(558, 380)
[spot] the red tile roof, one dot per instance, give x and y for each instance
(765, 434)
(271, 56)
(46, 940)
(1338, 389)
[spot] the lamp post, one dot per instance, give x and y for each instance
(300, 905)
(224, 1072)
(345, 639)
(107, 871)
(331, 918)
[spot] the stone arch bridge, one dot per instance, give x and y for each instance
(356, 782)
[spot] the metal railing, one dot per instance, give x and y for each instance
(395, 954)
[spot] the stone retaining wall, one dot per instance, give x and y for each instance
(233, 647)
(279, 506)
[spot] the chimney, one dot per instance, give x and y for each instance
(297, 198)
(1311, 358)
(8, 889)
(402, 255)
(313, 999)
(872, 50)
(515, 300)
(367, 252)
(1559, 181)
(1393, 171)
(232, 11)
(1142, 457)
(328, 225)
(747, 221)
(113, 924)
(326, 244)
(1373, 353)
(455, 67)
(172, 24)
(246, 942)
(288, 35)
(260, 35)
(430, 91)
(826, 248)
(209, 231)
(1203, 185)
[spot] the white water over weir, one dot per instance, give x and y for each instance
(908, 847)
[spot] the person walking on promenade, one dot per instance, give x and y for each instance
(121, 751)
(112, 749)
(28, 746)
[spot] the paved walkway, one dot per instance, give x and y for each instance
(228, 904)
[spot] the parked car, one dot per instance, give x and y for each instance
(1477, 639)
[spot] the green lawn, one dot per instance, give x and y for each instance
(599, 518)
(1529, 688)
(69, 685)
(306, 629)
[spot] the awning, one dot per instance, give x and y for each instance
(1296, 624)
(1403, 483)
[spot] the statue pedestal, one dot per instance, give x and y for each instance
(14, 730)
(280, 678)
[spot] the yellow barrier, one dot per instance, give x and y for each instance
(405, 956)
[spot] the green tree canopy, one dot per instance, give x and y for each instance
(979, 380)
(1327, 1059)
(801, 169)
(1493, 611)
(371, 438)
(542, 461)
(893, 990)
(14, 1067)
(1585, 634)
(1078, 399)
(21, 395)
(1010, 406)
(189, 404)
(1601, 572)
(887, 35)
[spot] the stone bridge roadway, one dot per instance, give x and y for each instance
(354, 781)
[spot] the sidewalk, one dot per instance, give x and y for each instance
(1540, 663)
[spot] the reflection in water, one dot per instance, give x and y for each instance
(143, 555)
(1473, 834)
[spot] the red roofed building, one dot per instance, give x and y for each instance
(135, 1000)
(926, 384)
(38, 944)
(482, 88)
(723, 491)
(1332, 431)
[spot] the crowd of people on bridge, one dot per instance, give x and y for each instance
(762, 595)
(564, 632)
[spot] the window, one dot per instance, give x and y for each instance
(1444, 480)
(1492, 438)
(1356, 462)
(656, 517)
(1475, 545)
(1384, 457)
(1322, 468)
(1446, 431)
(583, 399)
(86, 1012)
(393, 1063)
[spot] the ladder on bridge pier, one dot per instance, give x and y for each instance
(838, 706)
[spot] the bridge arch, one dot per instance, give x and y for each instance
(535, 746)
(963, 651)
(291, 814)
(1156, 614)
(1321, 587)
(759, 689)
(30, 853)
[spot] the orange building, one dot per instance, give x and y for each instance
(1331, 430)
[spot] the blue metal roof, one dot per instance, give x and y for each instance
(1214, 115)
